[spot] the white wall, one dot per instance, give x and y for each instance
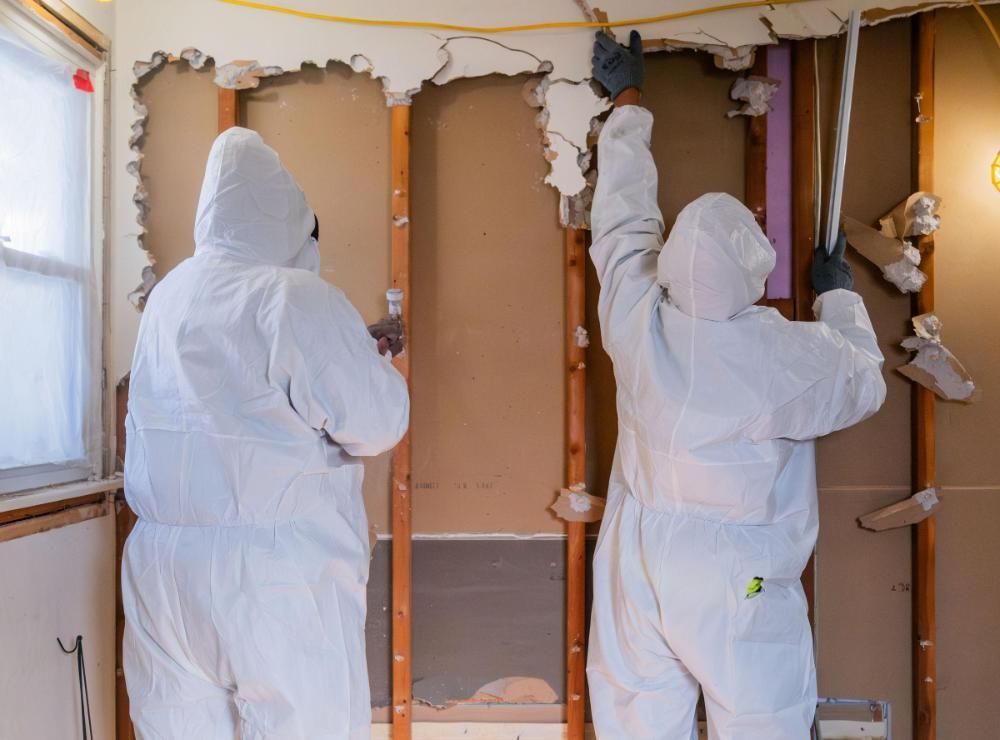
(59, 583)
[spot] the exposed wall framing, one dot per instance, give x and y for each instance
(924, 439)
(402, 509)
(576, 469)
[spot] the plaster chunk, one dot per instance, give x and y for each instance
(195, 58)
(933, 366)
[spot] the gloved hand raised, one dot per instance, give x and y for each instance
(831, 271)
(388, 332)
(618, 67)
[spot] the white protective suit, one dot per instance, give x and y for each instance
(714, 478)
(255, 389)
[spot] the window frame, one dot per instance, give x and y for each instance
(55, 36)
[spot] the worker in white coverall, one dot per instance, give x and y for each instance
(711, 513)
(256, 391)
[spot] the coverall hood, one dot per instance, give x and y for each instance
(250, 208)
(716, 259)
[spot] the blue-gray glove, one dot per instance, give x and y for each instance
(831, 271)
(618, 67)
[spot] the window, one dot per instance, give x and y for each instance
(50, 196)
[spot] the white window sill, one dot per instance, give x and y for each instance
(51, 494)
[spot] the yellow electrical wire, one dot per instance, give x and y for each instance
(433, 25)
(510, 29)
(986, 20)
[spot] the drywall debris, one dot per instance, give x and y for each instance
(574, 504)
(157, 60)
(513, 690)
(197, 59)
(934, 367)
(903, 513)
(582, 337)
(915, 216)
(898, 260)
(731, 58)
(755, 92)
(243, 75)
(400, 221)
(138, 296)
(570, 108)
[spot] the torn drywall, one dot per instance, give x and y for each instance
(934, 367)
(755, 92)
(898, 260)
(403, 59)
(915, 216)
(903, 513)
(574, 504)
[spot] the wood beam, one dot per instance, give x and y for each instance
(804, 215)
(62, 518)
(229, 112)
(576, 555)
(124, 522)
(402, 525)
(924, 442)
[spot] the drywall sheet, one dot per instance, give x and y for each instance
(60, 583)
(697, 150)
(483, 610)
(968, 602)
(863, 603)
(331, 128)
(488, 285)
(966, 261)
(876, 452)
(182, 124)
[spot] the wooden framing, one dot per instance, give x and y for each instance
(71, 25)
(402, 524)
(228, 109)
(61, 518)
(576, 532)
(804, 215)
(924, 574)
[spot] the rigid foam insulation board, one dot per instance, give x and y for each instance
(482, 610)
(968, 602)
(877, 177)
(697, 150)
(966, 265)
(488, 373)
(59, 583)
(863, 624)
(966, 261)
(182, 124)
(331, 128)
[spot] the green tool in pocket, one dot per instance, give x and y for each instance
(756, 587)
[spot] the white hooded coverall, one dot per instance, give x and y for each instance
(255, 391)
(714, 478)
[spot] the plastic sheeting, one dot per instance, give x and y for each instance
(46, 280)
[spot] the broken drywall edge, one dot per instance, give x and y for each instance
(574, 504)
(243, 75)
(915, 216)
(933, 366)
(898, 260)
(582, 337)
(755, 92)
(903, 513)
(141, 293)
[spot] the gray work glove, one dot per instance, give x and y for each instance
(831, 271)
(389, 334)
(618, 67)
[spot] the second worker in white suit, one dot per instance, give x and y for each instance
(712, 511)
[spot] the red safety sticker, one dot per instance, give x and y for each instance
(81, 81)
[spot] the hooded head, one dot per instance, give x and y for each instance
(251, 208)
(716, 259)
